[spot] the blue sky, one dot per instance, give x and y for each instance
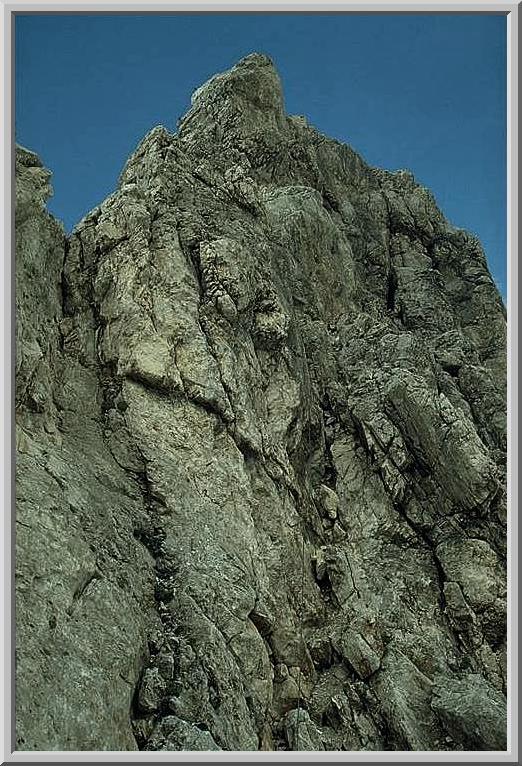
(418, 91)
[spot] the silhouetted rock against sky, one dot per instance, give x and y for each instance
(261, 451)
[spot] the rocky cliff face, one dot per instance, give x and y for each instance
(261, 451)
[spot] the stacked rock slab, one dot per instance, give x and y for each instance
(261, 451)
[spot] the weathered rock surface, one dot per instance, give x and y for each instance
(261, 451)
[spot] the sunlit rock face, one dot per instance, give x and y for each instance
(261, 444)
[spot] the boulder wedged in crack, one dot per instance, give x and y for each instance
(277, 384)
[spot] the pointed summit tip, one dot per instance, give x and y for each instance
(256, 59)
(253, 79)
(237, 102)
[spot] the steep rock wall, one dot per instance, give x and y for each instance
(262, 437)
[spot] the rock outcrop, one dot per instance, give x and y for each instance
(261, 439)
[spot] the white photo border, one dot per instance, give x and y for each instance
(9, 10)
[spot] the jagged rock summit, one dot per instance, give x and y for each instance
(261, 434)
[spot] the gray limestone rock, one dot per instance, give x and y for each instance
(301, 733)
(173, 733)
(472, 711)
(261, 450)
